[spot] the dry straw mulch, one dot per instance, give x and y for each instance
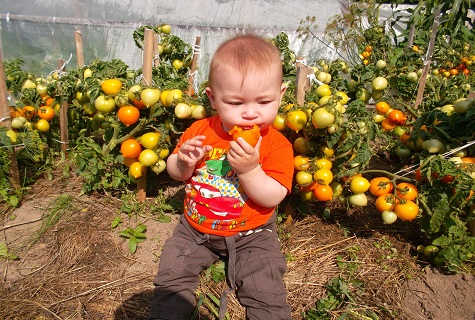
(80, 269)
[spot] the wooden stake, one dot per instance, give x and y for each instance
(193, 67)
(302, 81)
(430, 51)
(63, 116)
(79, 52)
(148, 50)
(6, 122)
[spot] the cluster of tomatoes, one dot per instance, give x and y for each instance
(388, 117)
(35, 117)
(116, 103)
(394, 202)
(366, 54)
(463, 67)
(314, 178)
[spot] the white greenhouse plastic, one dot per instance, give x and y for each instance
(41, 32)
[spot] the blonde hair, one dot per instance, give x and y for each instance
(245, 53)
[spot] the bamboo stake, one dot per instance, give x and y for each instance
(193, 67)
(148, 50)
(79, 51)
(430, 51)
(63, 115)
(6, 122)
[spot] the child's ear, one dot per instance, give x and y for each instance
(283, 88)
(210, 95)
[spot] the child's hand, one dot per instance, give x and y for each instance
(192, 151)
(242, 156)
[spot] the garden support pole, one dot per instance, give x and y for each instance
(428, 61)
(194, 63)
(148, 51)
(79, 51)
(6, 122)
(302, 82)
(63, 115)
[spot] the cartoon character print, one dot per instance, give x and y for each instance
(215, 193)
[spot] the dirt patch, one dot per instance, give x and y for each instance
(79, 268)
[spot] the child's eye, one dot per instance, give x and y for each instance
(265, 102)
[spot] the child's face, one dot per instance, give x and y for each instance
(245, 101)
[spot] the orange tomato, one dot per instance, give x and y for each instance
(404, 137)
(382, 107)
(128, 115)
(406, 191)
(387, 125)
(406, 210)
(28, 112)
(139, 104)
(250, 135)
(323, 192)
(397, 117)
(15, 112)
(129, 161)
(380, 185)
(385, 202)
(130, 148)
(46, 113)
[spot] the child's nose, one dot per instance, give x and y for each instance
(250, 111)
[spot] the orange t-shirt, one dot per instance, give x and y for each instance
(215, 201)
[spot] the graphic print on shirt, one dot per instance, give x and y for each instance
(215, 193)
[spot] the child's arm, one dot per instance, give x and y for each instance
(180, 166)
(261, 188)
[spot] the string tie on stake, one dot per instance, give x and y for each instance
(445, 155)
(4, 119)
(61, 142)
(314, 79)
(196, 49)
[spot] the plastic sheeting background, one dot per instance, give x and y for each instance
(41, 32)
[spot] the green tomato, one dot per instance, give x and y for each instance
(379, 83)
(358, 200)
(104, 104)
(159, 167)
(321, 118)
(388, 217)
(412, 77)
(148, 158)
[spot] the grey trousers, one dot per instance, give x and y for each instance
(258, 272)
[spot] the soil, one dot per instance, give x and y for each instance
(73, 265)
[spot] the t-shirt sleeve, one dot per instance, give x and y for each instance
(278, 164)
